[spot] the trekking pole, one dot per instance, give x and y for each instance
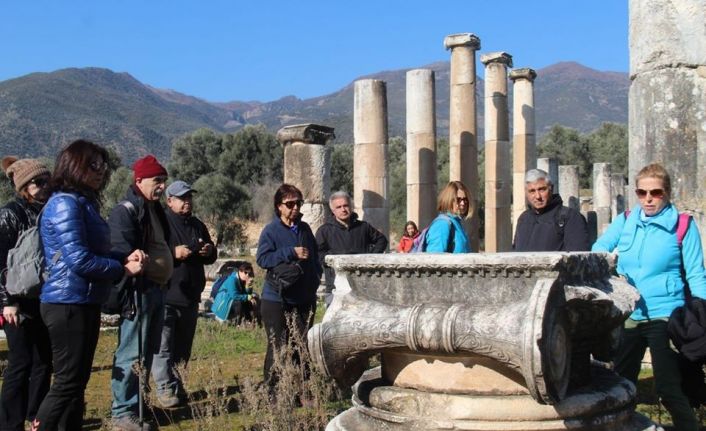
(140, 361)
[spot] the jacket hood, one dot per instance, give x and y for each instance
(554, 201)
(334, 222)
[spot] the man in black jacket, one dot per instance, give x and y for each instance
(345, 234)
(548, 225)
(192, 247)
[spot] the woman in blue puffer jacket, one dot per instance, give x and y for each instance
(650, 258)
(81, 270)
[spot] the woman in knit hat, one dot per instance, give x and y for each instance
(26, 379)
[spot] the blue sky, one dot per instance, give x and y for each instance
(262, 50)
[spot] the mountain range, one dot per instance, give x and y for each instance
(40, 112)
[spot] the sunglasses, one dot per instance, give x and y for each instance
(39, 182)
(655, 193)
(98, 166)
(292, 204)
(461, 200)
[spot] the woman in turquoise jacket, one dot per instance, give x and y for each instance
(233, 300)
(446, 233)
(650, 258)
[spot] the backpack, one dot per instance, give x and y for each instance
(121, 295)
(26, 266)
(226, 270)
(560, 218)
(420, 242)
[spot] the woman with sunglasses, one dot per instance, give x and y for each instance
(446, 233)
(81, 271)
(285, 242)
(651, 259)
(28, 371)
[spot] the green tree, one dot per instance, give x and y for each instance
(115, 190)
(342, 168)
(397, 165)
(219, 200)
(609, 144)
(195, 154)
(251, 155)
(569, 148)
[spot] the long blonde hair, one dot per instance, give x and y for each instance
(447, 197)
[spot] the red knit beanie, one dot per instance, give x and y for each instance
(148, 167)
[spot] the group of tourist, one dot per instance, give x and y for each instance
(146, 263)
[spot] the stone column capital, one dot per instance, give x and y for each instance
(309, 133)
(462, 39)
(496, 57)
(523, 73)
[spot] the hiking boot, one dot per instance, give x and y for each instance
(168, 400)
(129, 422)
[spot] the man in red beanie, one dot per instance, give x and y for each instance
(139, 222)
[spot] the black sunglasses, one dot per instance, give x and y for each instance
(655, 193)
(39, 182)
(292, 204)
(98, 166)
(459, 200)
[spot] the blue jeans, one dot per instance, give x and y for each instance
(124, 384)
(175, 348)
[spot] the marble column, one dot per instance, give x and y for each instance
(421, 147)
(463, 134)
(307, 165)
(523, 139)
(618, 200)
(602, 192)
(568, 187)
(370, 170)
(667, 101)
(550, 165)
(498, 192)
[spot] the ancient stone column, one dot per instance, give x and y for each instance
(618, 201)
(307, 165)
(421, 147)
(370, 175)
(667, 105)
(568, 187)
(550, 165)
(463, 135)
(498, 226)
(523, 139)
(602, 192)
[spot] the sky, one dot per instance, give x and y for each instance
(263, 50)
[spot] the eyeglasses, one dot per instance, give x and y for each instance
(250, 274)
(98, 166)
(655, 193)
(292, 204)
(39, 182)
(461, 200)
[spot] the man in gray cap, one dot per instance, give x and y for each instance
(192, 248)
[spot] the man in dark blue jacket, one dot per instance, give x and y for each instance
(548, 225)
(192, 247)
(345, 234)
(139, 222)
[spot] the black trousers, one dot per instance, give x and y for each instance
(28, 373)
(73, 330)
(274, 316)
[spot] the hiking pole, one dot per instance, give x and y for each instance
(140, 362)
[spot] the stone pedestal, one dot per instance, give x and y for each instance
(507, 347)
(618, 201)
(421, 147)
(523, 140)
(307, 165)
(463, 134)
(602, 194)
(498, 192)
(568, 187)
(370, 175)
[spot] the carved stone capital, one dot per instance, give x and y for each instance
(496, 57)
(309, 133)
(523, 73)
(462, 39)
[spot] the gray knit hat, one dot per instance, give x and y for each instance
(21, 171)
